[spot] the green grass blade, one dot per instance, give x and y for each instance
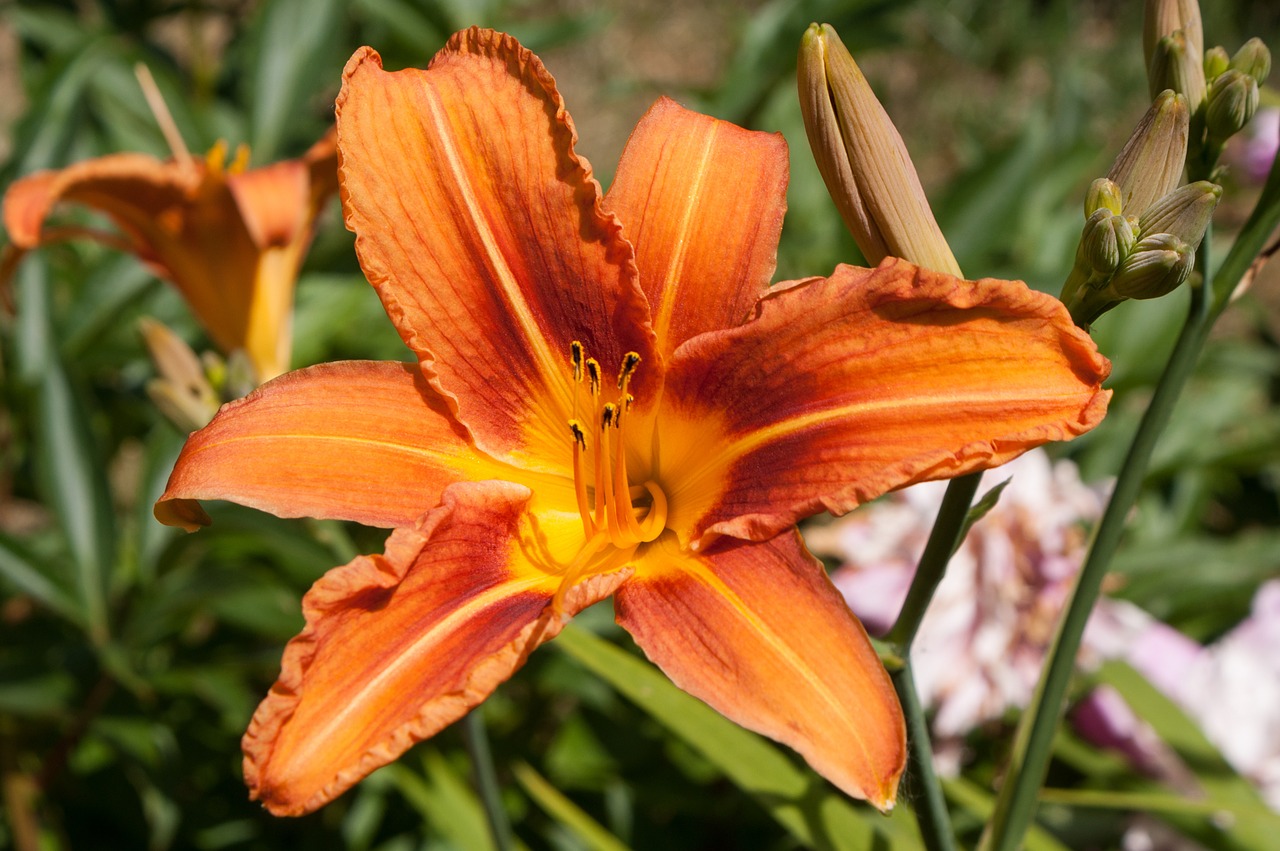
(799, 800)
(591, 833)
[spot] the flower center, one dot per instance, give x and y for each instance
(614, 512)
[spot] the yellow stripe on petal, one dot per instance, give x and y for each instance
(398, 646)
(362, 441)
(841, 389)
(757, 631)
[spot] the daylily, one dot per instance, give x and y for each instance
(608, 399)
(230, 239)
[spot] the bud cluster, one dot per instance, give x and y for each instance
(1222, 91)
(1141, 229)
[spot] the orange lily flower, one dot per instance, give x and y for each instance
(230, 239)
(591, 414)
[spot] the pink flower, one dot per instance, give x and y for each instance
(982, 642)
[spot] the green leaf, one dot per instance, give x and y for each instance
(968, 795)
(796, 798)
(296, 57)
(28, 575)
(980, 508)
(592, 834)
(444, 800)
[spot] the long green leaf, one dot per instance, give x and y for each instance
(566, 812)
(295, 58)
(797, 799)
(26, 573)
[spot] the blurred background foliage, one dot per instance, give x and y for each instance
(131, 655)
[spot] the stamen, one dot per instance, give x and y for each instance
(579, 480)
(593, 545)
(575, 355)
(629, 363)
(593, 376)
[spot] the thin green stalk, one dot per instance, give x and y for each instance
(1016, 805)
(486, 779)
(930, 804)
(948, 528)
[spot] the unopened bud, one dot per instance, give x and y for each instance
(1254, 59)
(1158, 265)
(863, 160)
(1215, 62)
(1151, 163)
(1103, 194)
(1106, 241)
(1173, 67)
(182, 393)
(1165, 17)
(1184, 213)
(1232, 101)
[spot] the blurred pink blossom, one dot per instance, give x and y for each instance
(1255, 151)
(983, 640)
(1230, 688)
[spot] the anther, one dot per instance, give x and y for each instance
(575, 355)
(593, 375)
(629, 363)
(579, 436)
(608, 416)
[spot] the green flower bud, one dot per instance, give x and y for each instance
(1107, 240)
(1158, 265)
(1184, 213)
(1151, 163)
(1254, 59)
(1165, 17)
(1232, 101)
(863, 160)
(1103, 194)
(1215, 62)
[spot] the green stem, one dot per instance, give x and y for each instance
(930, 805)
(948, 528)
(486, 779)
(1016, 804)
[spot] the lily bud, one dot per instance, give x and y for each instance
(1173, 67)
(1107, 240)
(1165, 17)
(181, 391)
(1102, 194)
(1150, 165)
(1232, 101)
(1215, 62)
(1184, 213)
(1253, 58)
(1158, 265)
(863, 160)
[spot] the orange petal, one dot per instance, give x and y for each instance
(758, 632)
(483, 233)
(398, 646)
(702, 201)
(841, 389)
(361, 441)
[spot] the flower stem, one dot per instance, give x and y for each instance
(486, 779)
(930, 805)
(948, 529)
(1017, 800)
